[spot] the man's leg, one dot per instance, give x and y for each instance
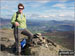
(17, 41)
(19, 45)
(28, 33)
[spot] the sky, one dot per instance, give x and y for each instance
(39, 9)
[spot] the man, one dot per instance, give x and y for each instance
(19, 21)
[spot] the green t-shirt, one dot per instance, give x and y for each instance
(21, 19)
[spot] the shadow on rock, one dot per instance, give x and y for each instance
(12, 49)
(7, 49)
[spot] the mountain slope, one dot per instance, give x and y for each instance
(7, 41)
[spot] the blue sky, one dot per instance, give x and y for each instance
(38, 9)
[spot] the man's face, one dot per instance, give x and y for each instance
(20, 9)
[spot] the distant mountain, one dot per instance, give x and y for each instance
(56, 22)
(61, 28)
(5, 23)
(65, 28)
(42, 25)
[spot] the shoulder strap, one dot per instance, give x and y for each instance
(16, 16)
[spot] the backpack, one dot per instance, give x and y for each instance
(13, 26)
(23, 43)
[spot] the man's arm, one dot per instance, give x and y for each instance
(13, 19)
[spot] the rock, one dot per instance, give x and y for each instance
(38, 39)
(42, 51)
(42, 46)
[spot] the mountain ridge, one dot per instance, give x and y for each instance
(50, 25)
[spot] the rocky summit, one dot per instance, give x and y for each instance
(41, 46)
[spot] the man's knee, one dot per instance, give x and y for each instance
(31, 35)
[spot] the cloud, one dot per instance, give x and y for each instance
(47, 16)
(40, 16)
(60, 12)
(43, 16)
(51, 17)
(40, 9)
(62, 0)
(64, 5)
(59, 5)
(38, 0)
(46, 1)
(36, 4)
(61, 15)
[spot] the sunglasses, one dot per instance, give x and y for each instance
(21, 8)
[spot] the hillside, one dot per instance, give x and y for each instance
(7, 42)
(66, 39)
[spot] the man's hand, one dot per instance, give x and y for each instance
(17, 24)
